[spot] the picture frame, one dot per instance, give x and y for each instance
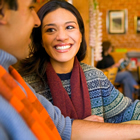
(137, 24)
(117, 21)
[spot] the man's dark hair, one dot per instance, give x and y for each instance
(11, 3)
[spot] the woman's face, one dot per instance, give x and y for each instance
(61, 36)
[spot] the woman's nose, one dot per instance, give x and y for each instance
(62, 34)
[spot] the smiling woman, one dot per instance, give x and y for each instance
(54, 69)
(58, 44)
(37, 34)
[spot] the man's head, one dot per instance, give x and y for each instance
(17, 19)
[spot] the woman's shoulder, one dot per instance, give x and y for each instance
(85, 67)
(31, 78)
(91, 70)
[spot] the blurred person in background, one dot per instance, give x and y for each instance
(123, 76)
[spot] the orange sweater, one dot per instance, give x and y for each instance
(30, 109)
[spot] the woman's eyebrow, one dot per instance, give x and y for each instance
(51, 24)
(71, 22)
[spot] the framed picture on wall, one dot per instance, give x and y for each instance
(137, 24)
(117, 21)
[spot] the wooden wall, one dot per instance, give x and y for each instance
(130, 39)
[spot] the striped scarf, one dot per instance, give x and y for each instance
(29, 108)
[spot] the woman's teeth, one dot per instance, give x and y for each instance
(63, 47)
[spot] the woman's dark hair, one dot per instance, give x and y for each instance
(106, 45)
(38, 58)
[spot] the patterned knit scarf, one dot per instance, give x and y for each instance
(78, 107)
(29, 108)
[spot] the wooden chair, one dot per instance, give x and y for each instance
(138, 71)
(119, 87)
(136, 95)
(112, 74)
(105, 73)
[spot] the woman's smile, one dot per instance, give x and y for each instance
(63, 48)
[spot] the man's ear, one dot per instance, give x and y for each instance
(2, 19)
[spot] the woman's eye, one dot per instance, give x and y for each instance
(50, 30)
(32, 8)
(70, 27)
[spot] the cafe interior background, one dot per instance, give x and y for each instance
(129, 41)
(98, 18)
